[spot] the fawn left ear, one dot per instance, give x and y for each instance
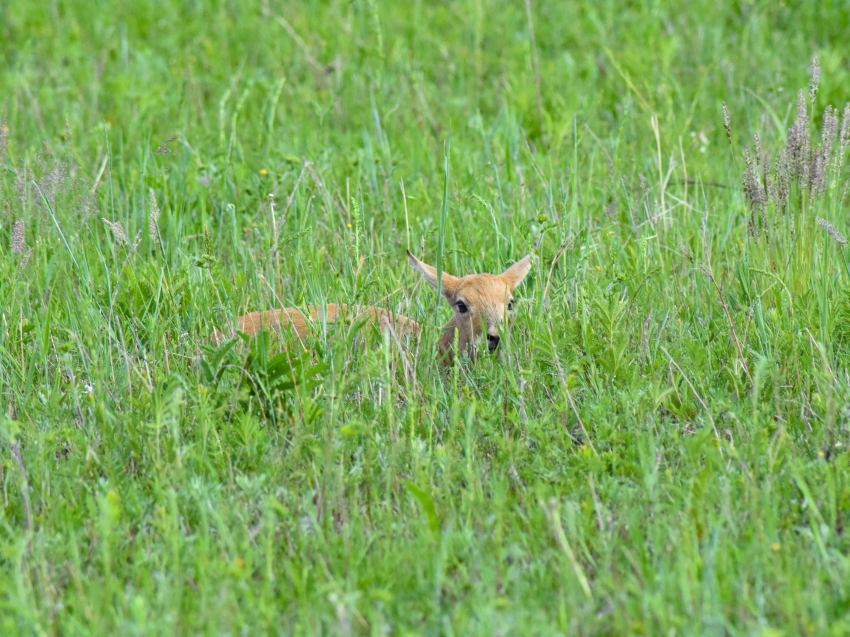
(514, 275)
(429, 273)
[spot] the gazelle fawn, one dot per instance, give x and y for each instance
(482, 304)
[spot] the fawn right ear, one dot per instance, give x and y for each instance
(514, 275)
(429, 273)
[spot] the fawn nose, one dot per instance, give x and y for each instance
(493, 342)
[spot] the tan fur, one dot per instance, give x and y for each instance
(485, 298)
(310, 321)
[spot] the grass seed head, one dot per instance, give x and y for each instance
(727, 122)
(781, 184)
(844, 134)
(24, 261)
(832, 231)
(830, 124)
(829, 130)
(818, 176)
(814, 79)
(153, 230)
(4, 141)
(117, 231)
(798, 145)
(753, 190)
(765, 175)
(19, 244)
(756, 147)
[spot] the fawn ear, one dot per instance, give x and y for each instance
(429, 273)
(514, 275)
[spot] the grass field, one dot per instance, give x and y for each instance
(660, 449)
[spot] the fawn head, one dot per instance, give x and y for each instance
(482, 303)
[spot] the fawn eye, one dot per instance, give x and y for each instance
(511, 305)
(461, 307)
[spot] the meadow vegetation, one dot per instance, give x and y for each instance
(662, 445)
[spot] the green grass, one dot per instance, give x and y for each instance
(652, 454)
